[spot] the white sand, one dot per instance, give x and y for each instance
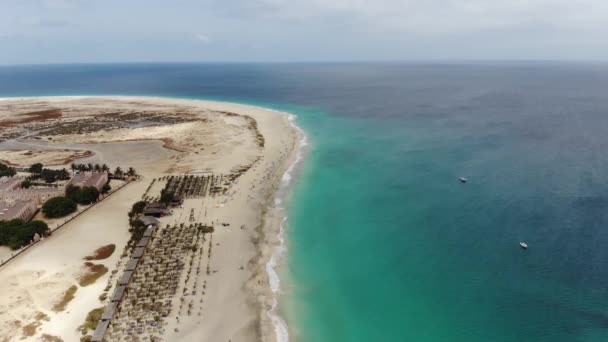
(5, 253)
(236, 300)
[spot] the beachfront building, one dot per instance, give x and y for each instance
(37, 195)
(10, 190)
(18, 209)
(9, 183)
(95, 179)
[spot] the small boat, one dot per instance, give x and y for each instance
(463, 179)
(523, 245)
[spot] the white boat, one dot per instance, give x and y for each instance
(523, 245)
(463, 179)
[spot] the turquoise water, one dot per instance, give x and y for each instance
(387, 245)
(384, 242)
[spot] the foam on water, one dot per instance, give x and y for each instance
(280, 326)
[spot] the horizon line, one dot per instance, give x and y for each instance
(412, 61)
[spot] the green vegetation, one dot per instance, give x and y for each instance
(50, 338)
(118, 173)
(67, 297)
(17, 233)
(88, 195)
(205, 229)
(58, 207)
(84, 196)
(71, 192)
(106, 188)
(91, 321)
(7, 171)
(26, 184)
(30, 329)
(137, 208)
(94, 272)
(136, 227)
(48, 175)
(90, 167)
(41, 316)
(36, 168)
(166, 196)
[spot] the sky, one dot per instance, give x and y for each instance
(90, 31)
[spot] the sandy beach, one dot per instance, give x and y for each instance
(247, 148)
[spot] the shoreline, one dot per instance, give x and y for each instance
(278, 257)
(263, 296)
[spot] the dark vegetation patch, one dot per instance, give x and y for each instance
(90, 323)
(67, 297)
(7, 171)
(31, 328)
(37, 116)
(58, 207)
(50, 338)
(190, 186)
(136, 227)
(101, 253)
(116, 120)
(82, 195)
(17, 233)
(91, 274)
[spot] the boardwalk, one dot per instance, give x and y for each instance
(121, 289)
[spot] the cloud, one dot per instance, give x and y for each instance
(305, 29)
(448, 16)
(203, 39)
(44, 22)
(52, 23)
(60, 4)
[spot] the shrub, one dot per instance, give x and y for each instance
(88, 195)
(92, 319)
(93, 272)
(7, 171)
(50, 175)
(65, 299)
(166, 196)
(16, 233)
(26, 184)
(36, 168)
(72, 192)
(138, 208)
(101, 253)
(106, 188)
(58, 207)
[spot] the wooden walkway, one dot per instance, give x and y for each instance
(122, 286)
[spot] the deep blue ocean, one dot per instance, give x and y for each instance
(384, 242)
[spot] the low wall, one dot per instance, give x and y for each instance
(59, 226)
